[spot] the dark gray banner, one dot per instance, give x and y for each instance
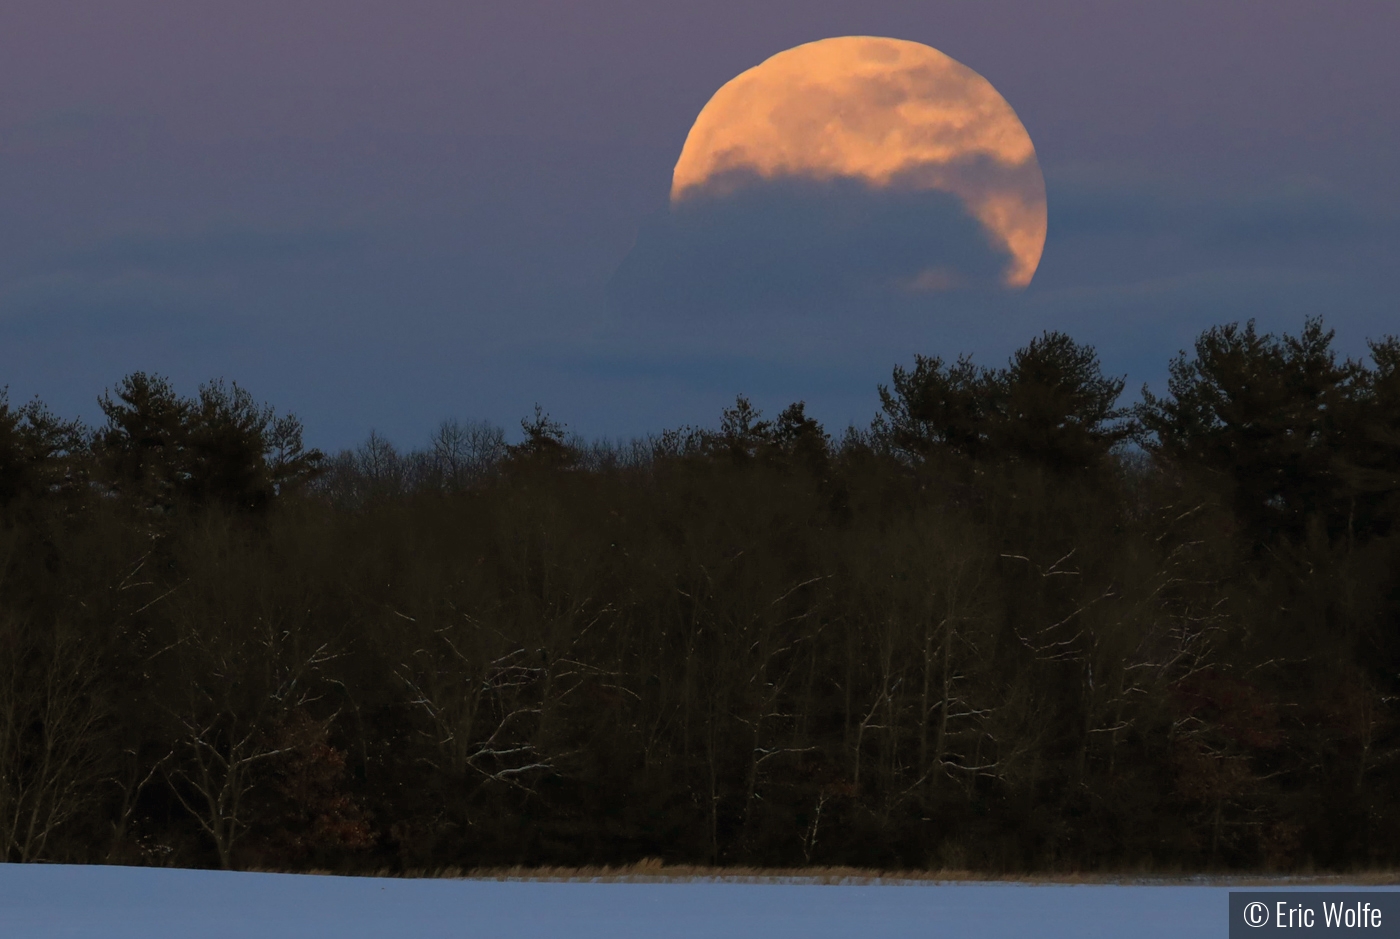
(1258, 913)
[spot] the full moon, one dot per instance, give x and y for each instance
(889, 113)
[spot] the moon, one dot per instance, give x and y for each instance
(889, 113)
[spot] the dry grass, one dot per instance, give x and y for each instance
(654, 871)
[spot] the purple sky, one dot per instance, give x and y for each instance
(380, 215)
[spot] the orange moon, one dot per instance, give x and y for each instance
(887, 112)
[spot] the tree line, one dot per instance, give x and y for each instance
(1010, 626)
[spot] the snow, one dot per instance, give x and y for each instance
(121, 902)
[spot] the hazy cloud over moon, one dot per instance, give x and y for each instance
(800, 245)
(895, 116)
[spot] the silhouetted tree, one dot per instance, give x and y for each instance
(39, 453)
(1268, 416)
(939, 406)
(1052, 406)
(142, 450)
(546, 446)
(221, 448)
(1056, 407)
(1368, 460)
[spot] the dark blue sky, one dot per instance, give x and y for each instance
(379, 215)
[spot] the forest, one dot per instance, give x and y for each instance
(1013, 625)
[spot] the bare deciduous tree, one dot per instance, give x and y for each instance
(50, 731)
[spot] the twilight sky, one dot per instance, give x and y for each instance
(380, 215)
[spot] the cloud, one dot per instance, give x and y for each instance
(1274, 215)
(222, 248)
(758, 247)
(130, 281)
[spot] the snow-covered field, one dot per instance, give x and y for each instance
(119, 902)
